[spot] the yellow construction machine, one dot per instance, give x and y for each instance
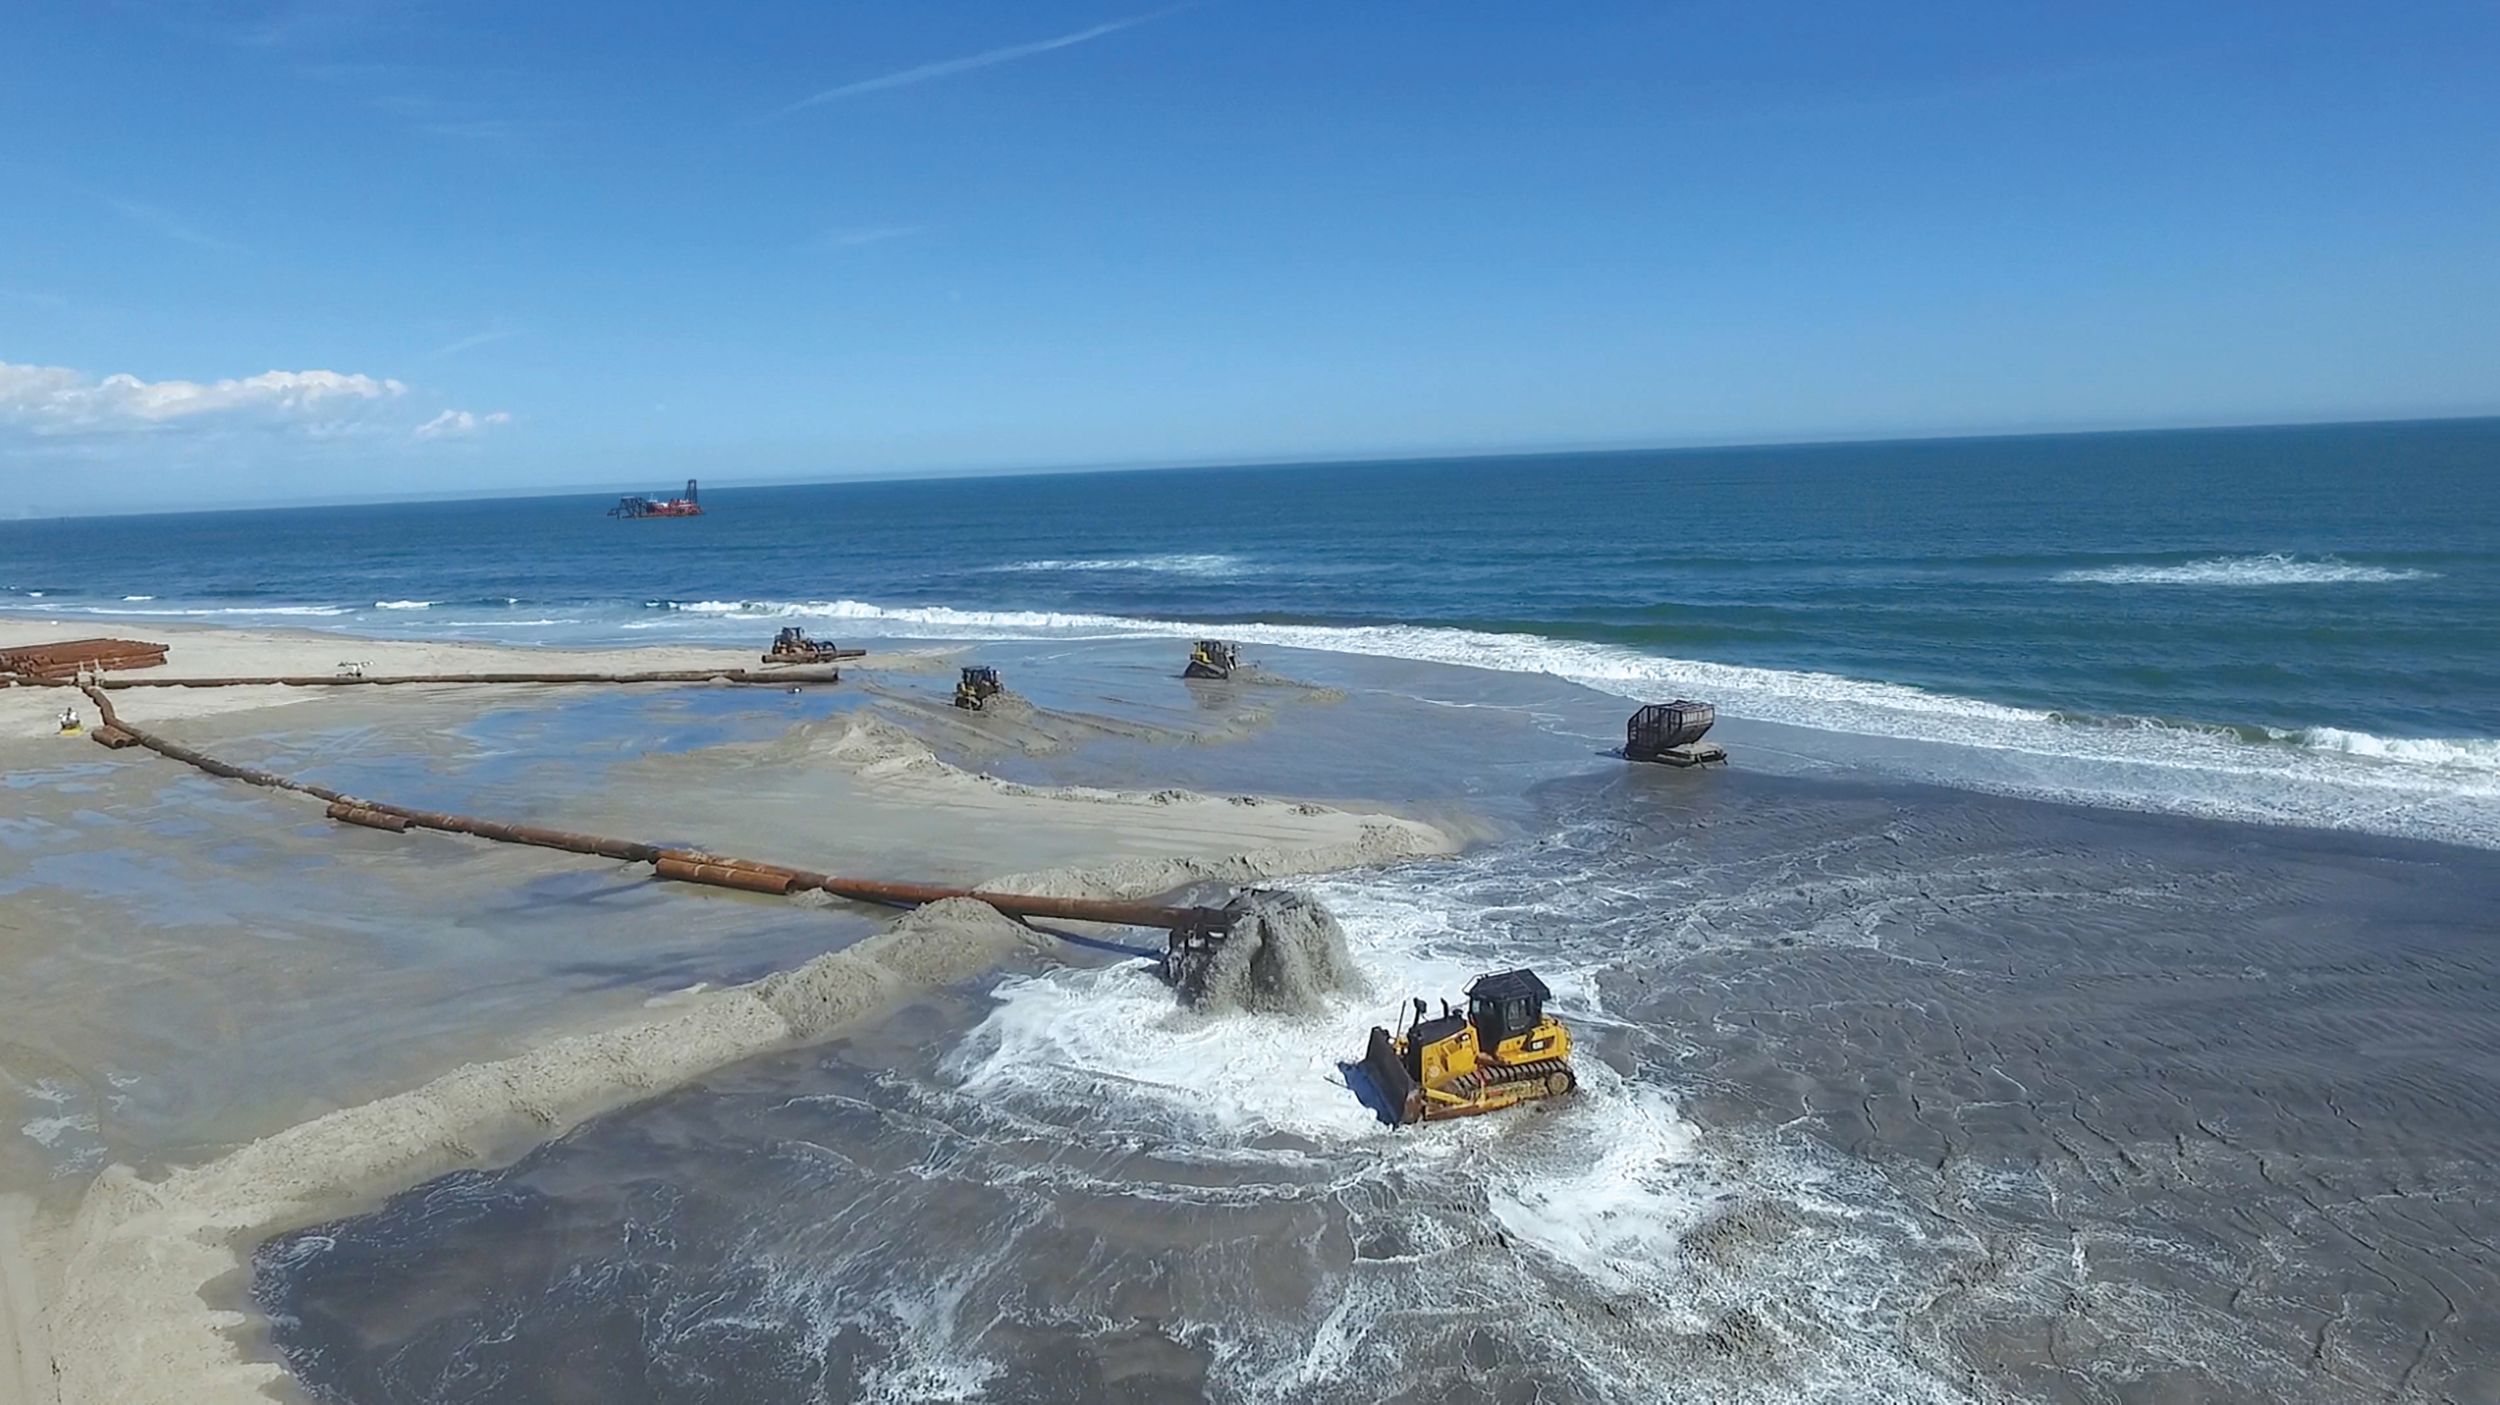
(980, 684)
(1212, 658)
(1502, 1051)
(792, 645)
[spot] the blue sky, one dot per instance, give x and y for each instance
(257, 251)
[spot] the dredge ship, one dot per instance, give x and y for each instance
(633, 507)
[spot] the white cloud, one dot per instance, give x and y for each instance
(58, 405)
(459, 424)
(57, 400)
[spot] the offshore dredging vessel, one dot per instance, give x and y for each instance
(636, 507)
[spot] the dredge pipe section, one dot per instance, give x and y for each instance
(676, 865)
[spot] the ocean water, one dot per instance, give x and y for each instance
(2298, 624)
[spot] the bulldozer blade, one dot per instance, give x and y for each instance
(1401, 1100)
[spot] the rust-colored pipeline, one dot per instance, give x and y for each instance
(677, 865)
(752, 878)
(1125, 914)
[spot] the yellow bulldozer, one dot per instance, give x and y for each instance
(1501, 1051)
(1212, 658)
(980, 684)
(792, 645)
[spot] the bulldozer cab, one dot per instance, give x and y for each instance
(981, 678)
(1506, 1005)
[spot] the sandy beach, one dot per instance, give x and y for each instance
(124, 1287)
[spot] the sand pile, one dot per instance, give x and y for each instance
(1285, 956)
(869, 745)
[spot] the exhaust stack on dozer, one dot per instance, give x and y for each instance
(1503, 1051)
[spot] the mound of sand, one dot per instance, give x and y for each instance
(1285, 956)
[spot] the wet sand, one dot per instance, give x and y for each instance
(167, 1000)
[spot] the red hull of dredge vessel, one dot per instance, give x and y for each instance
(638, 507)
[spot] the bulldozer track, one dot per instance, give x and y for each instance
(1467, 1084)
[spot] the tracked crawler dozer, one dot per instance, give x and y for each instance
(979, 685)
(1502, 1051)
(792, 645)
(1212, 658)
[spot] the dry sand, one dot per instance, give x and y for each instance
(120, 1305)
(200, 652)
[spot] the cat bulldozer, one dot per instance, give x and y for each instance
(1212, 658)
(1503, 1050)
(792, 645)
(980, 684)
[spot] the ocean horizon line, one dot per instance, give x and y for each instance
(623, 483)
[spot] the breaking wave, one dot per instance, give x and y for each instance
(403, 604)
(1179, 565)
(2273, 568)
(2463, 753)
